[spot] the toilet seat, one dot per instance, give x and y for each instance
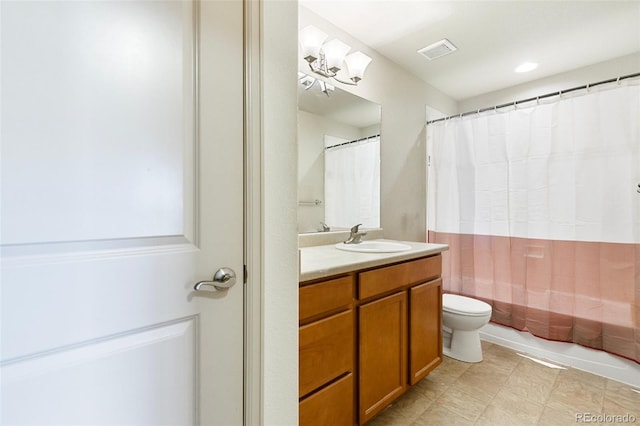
(462, 305)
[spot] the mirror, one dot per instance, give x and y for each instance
(338, 159)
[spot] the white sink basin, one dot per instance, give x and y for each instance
(374, 247)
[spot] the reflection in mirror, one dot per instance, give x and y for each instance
(338, 159)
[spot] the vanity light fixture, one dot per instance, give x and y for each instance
(308, 82)
(327, 59)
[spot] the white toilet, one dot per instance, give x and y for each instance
(462, 318)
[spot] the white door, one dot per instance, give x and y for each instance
(122, 145)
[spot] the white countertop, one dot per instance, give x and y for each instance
(326, 260)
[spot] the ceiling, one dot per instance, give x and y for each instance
(492, 37)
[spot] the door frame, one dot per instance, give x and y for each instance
(271, 238)
(253, 349)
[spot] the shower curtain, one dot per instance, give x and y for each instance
(352, 182)
(539, 204)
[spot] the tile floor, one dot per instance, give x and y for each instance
(508, 389)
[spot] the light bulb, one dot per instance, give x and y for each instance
(311, 40)
(334, 52)
(357, 63)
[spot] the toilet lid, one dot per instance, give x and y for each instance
(464, 305)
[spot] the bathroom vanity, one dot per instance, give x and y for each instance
(370, 327)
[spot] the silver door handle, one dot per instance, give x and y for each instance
(222, 279)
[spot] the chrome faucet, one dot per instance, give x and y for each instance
(324, 227)
(356, 236)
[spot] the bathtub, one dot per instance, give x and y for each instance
(568, 354)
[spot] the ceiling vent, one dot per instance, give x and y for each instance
(437, 49)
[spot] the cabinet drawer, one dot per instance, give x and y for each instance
(389, 278)
(425, 269)
(314, 299)
(326, 350)
(333, 405)
(382, 280)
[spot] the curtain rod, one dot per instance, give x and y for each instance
(548, 95)
(354, 141)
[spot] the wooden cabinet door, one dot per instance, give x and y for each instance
(383, 353)
(425, 329)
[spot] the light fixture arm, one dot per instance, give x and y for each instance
(319, 66)
(351, 83)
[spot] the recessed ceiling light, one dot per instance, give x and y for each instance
(526, 67)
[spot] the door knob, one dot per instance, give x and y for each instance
(222, 279)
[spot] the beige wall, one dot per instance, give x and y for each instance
(403, 98)
(279, 206)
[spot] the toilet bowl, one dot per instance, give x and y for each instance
(462, 318)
